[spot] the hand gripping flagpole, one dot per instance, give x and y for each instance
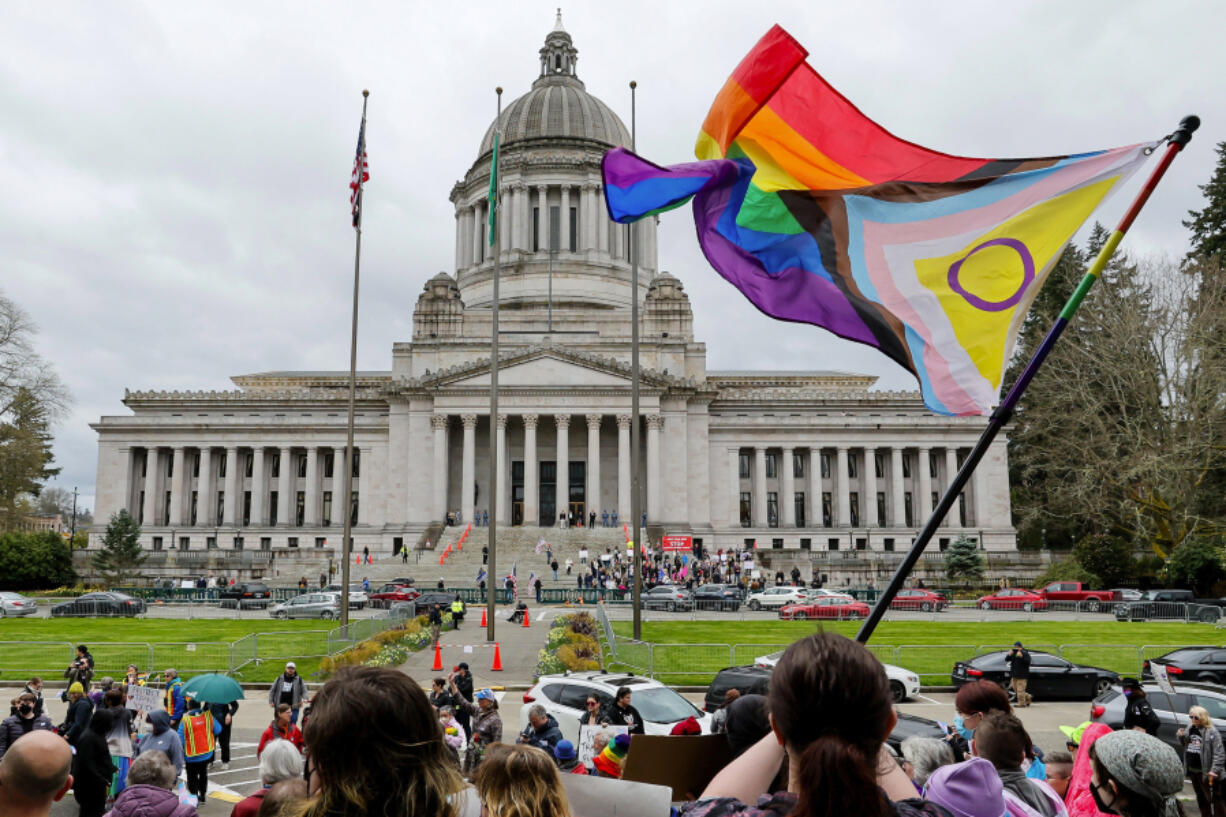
(1004, 412)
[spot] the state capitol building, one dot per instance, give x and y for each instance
(796, 461)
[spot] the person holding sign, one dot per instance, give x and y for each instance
(1204, 760)
(592, 715)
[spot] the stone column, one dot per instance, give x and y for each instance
(285, 502)
(623, 468)
(869, 511)
(506, 217)
(524, 224)
(439, 423)
(532, 485)
(898, 517)
(815, 485)
(734, 477)
(592, 489)
(459, 239)
(564, 222)
(843, 481)
(601, 227)
(468, 467)
(310, 516)
(787, 491)
(500, 502)
(340, 502)
(177, 483)
(149, 512)
(617, 243)
(562, 486)
(231, 515)
(654, 487)
(206, 495)
(258, 489)
(477, 216)
(924, 505)
(952, 519)
(586, 198)
(759, 487)
(542, 222)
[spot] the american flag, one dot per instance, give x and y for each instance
(360, 166)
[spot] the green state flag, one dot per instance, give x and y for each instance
(494, 192)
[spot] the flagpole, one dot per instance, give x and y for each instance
(347, 505)
(1175, 143)
(496, 240)
(635, 500)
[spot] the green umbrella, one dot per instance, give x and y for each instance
(214, 689)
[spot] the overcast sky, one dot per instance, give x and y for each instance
(175, 174)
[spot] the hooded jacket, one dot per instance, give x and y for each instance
(546, 737)
(143, 800)
(163, 739)
(1078, 799)
(11, 729)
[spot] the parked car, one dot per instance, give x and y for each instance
(821, 592)
(904, 683)
(775, 597)
(15, 604)
(1090, 600)
(244, 595)
(1013, 598)
(421, 605)
(565, 697)
(826, 607)
(668, 597)
(755, 680)
(100, 604)
(718, 597)
(1204, 664)
(747, 680)
(309, 605)
(390, 593)
(1172, 710)
(916, 599)
(1170, 604)
(1050, 675)
(357, 596)
(1127, 594)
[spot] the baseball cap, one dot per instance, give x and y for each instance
(487, 694)
(1017, 643)
(289, 664)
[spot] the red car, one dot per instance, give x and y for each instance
(389, 594)
(924, 600)
(1013, 598)
(824, 607)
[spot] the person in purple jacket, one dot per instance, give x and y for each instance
(151, 790)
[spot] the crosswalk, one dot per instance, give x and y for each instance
(241, 780)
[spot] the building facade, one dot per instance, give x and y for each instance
(795, 461)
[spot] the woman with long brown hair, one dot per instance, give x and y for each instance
(520, 781)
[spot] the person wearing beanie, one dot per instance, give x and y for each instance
(970, 789)
(1135, 774)
(609, 762)
(567, 758)
(689, 726)
(80, 709)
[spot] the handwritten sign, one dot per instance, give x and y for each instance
(587, 735)
(143, 699)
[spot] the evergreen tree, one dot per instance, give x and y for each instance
(1208, 226)
(963, 559)
(121, 551)
(1197, 564)
(25, 454)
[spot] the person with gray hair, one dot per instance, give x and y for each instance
(542, 730)
(280, 760)
(151, 790)
(926, 755)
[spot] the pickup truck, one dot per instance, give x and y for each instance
(1090, 600)
(1170, 604)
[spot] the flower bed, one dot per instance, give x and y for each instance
(391, 647)
(570, 645)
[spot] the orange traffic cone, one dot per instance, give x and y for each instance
(525, 616)
(484, 623)
(441, 559)
(497, 659)
(438, 658)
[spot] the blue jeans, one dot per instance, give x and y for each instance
(293, 717)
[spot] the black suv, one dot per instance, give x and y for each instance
(1204, 664)
(245, 595)
(1170, 604)
(747, 680)
(718, 597)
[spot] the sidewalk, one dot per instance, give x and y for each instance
(520, 649)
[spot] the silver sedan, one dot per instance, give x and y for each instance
(15, 604)
(309, 605)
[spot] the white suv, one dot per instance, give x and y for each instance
(565, 697)
(775, 597)
(904, 683)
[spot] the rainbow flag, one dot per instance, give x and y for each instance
(819, 215)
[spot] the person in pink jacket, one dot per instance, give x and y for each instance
(1077, 799)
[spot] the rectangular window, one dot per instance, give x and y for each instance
(932, 465)
(962, 510)
(555, 227)
(827, 510)
(273, 502)
(746, 514)
(800, 508)
(798, 465)
(221, 506)
(888, 544)
(140, 508)
(144, 464)
(772, 509)
(879, 464)
(536, 229)
(751, 544)
(170, 467)
(275, 470)
(943, 544)
(292, 542)
(195, 503)
(908, 510)
(852, 465)
(854, 504)
(776, 544)
(196, 465)
(327, 515)
(210, 542)
(221, 467)
(353, 508)
(320, 542)
(265, 543)
(357, 463)
(249, 465)
(166, 509)
(906, 466)
(329, 461)
(157, 543)
(832, 543)
(573, 238)
(771, 466)
(743, 465)
(881, 507)
(185, 542)
(824, 459)
(302, 466)
(238, 543)
(936, 497)
(300, 509)
(806, 544)
(246, 508)
(861, 543)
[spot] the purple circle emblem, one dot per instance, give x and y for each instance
(1012, 300)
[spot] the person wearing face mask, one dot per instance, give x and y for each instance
(1138, 714)
(25, 721)
(1135, 775)
(973, 701)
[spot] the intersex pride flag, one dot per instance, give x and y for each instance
(819, 215)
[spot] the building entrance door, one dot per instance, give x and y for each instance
(517, 492)
(576, 514)
(548, 493)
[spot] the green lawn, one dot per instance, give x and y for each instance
(927, 648)
(43, 646)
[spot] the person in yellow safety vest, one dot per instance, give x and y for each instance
(199, 731)
(172, 697)
(134, 677)
(457, 612)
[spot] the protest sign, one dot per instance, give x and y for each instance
(587, 734)
(684, 763)
(605, 797)
(143, 699)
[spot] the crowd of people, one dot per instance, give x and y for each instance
(814, 746)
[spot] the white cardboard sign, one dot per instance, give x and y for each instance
(587, 734)
(1160, 675)
(606, 797)
(143, 699)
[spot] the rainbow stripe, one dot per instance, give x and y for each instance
(819, 215)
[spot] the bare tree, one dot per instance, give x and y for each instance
(21, 367)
